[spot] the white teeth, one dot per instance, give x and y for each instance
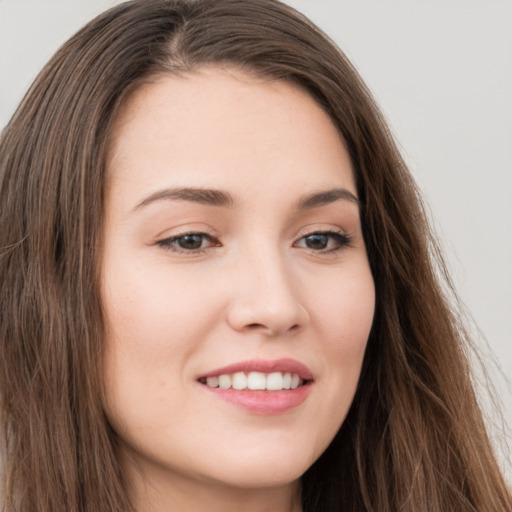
(239, 380)
(256, 380)
(212, 382)
(275, 381)
(224, 381)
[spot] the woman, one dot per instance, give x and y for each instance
(219, 287)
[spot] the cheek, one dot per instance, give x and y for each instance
(345, 317)
(151, 331)
(345, 312)
(154, 311)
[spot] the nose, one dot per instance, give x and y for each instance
(266, 298)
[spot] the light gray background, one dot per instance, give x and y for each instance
(441, 71)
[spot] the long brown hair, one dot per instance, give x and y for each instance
(414, 438)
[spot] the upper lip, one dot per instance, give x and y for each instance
(284, 365)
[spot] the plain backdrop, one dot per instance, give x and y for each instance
(441, 71)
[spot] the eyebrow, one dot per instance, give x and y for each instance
(212, 197)
(323, 198)
(197, 195)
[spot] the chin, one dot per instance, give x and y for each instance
(263, 469)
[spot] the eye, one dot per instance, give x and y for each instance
(324, 241)
(188, 242)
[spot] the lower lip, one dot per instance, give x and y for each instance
(263, 402)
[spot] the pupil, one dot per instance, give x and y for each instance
(190, 241)
(317, 241)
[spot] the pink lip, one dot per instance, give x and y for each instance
(265, 366)
(263, 402)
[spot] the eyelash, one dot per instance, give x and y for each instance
(172, 243)
(341, 240)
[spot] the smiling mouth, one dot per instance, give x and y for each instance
(255, 381)
(261, 386)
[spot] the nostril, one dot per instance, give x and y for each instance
(258, 326)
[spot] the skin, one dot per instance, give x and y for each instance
(258, 287)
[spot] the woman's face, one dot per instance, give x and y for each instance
(233, 257)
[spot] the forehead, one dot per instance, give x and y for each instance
(219, 127)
